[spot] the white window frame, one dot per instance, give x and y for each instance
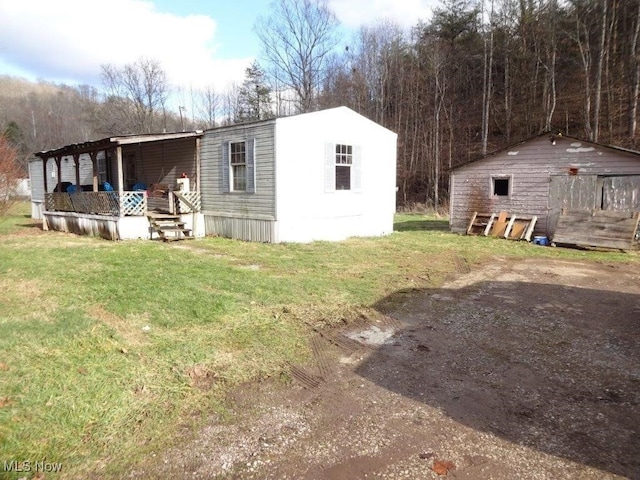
(234, 164)
(344, 159)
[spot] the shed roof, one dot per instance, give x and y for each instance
(546, 134)
(111, 142)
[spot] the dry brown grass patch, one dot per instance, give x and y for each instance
(129, 328)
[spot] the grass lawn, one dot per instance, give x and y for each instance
(111, 350)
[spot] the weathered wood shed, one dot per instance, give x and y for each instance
(542, 176)
(325, 175)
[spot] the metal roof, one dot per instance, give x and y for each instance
(112, 142)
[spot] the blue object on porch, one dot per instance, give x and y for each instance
(74, 188)
(107, 187)
(138, 187)
(542, 240)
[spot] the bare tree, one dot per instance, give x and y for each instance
(137, 94)
(487, 82)
(206, 104)
(634, 61)
(10, 172)
(601, 57)
(231, 104)
(297, 37)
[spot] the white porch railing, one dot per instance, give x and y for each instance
(186, 202)
(97, 203)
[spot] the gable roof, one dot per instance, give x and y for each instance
(549, 135)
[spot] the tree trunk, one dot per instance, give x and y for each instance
(601, 57)
(635, 88)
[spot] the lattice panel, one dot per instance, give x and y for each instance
(97, 203)
(188, 202)
(133, 203)
(100, 203)
(58, 202)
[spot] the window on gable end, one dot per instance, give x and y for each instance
(501, 186)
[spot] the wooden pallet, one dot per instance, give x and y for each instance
(503, 224)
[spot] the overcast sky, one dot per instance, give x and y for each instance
(198, 42)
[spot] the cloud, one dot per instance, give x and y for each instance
(407, 13)
(68, 40)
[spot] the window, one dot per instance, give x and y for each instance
(238, 168)
(238, 162)
(342, 167)
(500, 186)
(344, 160)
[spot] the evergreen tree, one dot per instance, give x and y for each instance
(254, 96)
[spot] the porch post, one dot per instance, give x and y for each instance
(45, 226)
(44, 172)
(120, 177)
(76, 162)
(59, 165)
(198, 164)
(94, 163)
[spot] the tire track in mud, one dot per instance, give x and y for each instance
(321, 370)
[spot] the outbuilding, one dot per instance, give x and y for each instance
(544, 176)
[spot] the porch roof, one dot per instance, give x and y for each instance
(112, 142)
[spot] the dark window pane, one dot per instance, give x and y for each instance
(501, 187)
(239, 178)
(343, 177)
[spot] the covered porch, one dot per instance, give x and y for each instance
(118, 186)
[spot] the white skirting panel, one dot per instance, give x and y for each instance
(36, 209)
(248, 229)
(103, 226)
(107, 227)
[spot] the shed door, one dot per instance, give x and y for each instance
(571, 192)
(621, 193)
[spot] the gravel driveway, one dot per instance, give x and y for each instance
(518, 369)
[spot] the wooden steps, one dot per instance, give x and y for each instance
(168, 227)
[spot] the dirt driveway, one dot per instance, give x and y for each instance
(527, 369)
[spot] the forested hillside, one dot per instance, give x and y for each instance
(479, 75)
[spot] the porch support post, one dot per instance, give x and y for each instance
(198, 164)
(94, 163)
(44, 172)
(120, 177)
(76, 163)
(59, 166)
(45, 226)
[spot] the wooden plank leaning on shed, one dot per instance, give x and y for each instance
(598, 228)
(512, 227)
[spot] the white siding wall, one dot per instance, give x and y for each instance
(305, 210)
